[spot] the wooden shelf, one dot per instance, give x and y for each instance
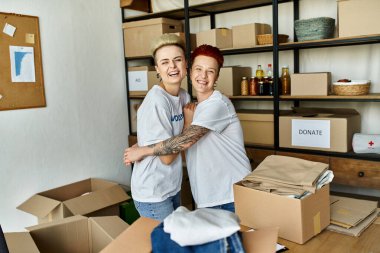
(268, 98)
(375, 97)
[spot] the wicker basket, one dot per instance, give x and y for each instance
(265, 39)
(314, 28)
(351, 89)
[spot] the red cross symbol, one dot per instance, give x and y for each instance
(371, 143)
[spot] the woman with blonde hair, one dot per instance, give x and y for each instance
(156, 181)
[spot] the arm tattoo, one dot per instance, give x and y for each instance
(180, 142)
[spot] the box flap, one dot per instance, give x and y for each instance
(67, 220)
(112, 225)
(263, 240)
(136, 238)
(104, 230)
(20, 242)
(151, 21)
(96, 200)
(38, 205)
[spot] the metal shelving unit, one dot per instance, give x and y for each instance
(218, 7)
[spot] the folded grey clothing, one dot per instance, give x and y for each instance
(288, 170)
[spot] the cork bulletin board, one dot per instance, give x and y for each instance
(21, 76)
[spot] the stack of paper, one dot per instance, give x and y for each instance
(351, 216)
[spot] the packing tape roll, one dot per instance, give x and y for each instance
(366, 143)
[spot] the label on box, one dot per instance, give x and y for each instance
(311, 133)
(138, 80)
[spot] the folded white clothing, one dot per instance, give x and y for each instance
(326, 178)
(200, 226)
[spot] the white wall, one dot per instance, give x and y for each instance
(84, 128)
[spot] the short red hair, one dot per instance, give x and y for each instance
(210, 51)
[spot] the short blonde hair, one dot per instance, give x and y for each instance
(166, 39)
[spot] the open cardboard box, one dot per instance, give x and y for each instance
(136, 238)
(298, 219)
(90, 197)
(76, 234)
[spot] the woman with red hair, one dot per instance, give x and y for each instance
(212, 136)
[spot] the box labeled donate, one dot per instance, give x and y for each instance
(298, 219)
(319, 129)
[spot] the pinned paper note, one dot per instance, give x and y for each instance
(29, 38)
(1, 96)
(9, 29)
(22, 64)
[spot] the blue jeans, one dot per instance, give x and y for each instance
(161, 243)
(229, 207)
(158, 210)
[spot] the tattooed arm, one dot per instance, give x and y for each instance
(173, 145)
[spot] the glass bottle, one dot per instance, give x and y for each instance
(244, 86)
(270, 80)
(285, 80)
(259, 72)
(253, 86)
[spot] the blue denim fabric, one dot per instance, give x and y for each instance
(158, 210)
(161, 243)
(228, 207)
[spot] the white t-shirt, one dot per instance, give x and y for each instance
(159, 117)
(218, 159)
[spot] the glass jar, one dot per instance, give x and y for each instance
(253, 86)
(244, 86)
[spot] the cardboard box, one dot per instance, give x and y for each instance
(219, 37)
(245, 35)
(142, 78)
(139, 5)
(319, 129)
(167, 5)
(257, 125)
(193, 39)
(90, 197)
(298, 219)
(358, 17)
(310, 84)
(138, 35)
(136, 238)
(76, 234)
(229, 80)
(20, 242)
